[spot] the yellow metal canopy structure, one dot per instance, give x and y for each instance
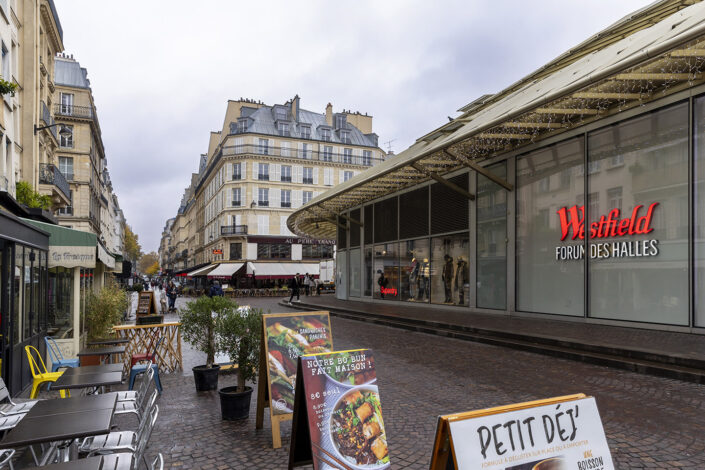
(654, 52)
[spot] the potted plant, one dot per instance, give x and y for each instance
(198, 321)
(239, 335)
(104, 310)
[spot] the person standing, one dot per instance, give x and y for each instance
(171, 295)
(216, 290)
(382, 281)
(307, 284)
(294, 285)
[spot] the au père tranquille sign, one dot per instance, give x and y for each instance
(559, 436)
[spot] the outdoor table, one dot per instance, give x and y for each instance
(70, 379)
(109, 342)
(104, 353)
(113, 462)
(61, 420)
(83, 370)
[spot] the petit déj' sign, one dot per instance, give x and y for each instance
(608, 226)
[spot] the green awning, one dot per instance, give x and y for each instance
(67, 247)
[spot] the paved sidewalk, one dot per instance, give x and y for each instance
(684, 345)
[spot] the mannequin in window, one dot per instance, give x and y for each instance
(461, 279)
(424, 282)
(447, 277)
(414, 279)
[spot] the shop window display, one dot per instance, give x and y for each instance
(639, 270)
(415, 270)
(355, 273)
(492, 240)
(699, 222)
(18, 284)
(60, 302)
(548, 180)
(386, 268)
(369, 276)
(450, 281)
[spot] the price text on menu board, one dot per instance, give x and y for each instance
(288, 337)
(338, 420)
(559, 436)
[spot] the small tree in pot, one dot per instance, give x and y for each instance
(198, 325)
(239, 336)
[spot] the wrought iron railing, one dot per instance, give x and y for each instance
(48, 120)
(233, 230)
(300, 154)
(85, 112)
(50, 174)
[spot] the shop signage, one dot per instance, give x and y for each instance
(287, 336)
(338, 420)
(146, 304)
(556, 434)
(72, 256)
(106, 258)
(217, 252)
(388, 291)
(609, 226)
(291, 240)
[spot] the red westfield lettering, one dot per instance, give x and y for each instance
(573, 220)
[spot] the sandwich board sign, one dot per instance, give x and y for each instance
(146, 304)
(285, 337)
(559, 433)
(338, 421)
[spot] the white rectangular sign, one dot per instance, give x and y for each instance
(562, 436)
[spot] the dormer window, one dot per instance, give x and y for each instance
(340, 121)
(280, 113)
(284, 129)
(345, 136)
(325, 134)
(242, 126)
(305, 132)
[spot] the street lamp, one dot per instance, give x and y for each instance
(64, 131)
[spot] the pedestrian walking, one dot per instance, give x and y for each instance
(171, 295)
(318, 283)
(294, 285)
(307, 284)
(216, 290)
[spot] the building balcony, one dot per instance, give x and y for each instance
(69, 110)
(263, 203)
(236, 203)
(55, 182)
(49, 121)
(309, 154)
(233, 230)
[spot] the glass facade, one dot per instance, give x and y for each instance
(60, 314)
(606, 224)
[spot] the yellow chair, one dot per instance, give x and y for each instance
(40, 374)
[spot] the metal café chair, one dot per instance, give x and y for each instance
(136, 407)
(143, 382)
(10, 407)
(41, 375)
(57, 358)
(120, 441)
(6, 458)
(157, 463)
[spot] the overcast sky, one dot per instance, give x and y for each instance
(162, 71)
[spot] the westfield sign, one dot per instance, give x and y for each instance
(610, 226)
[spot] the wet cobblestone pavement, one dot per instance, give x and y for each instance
(650, 422)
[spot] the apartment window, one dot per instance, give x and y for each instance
(235, 251)
(66, 141)
(286, 174)
(68, 210)
(6, 74)
(345, 137)
(347, 175)
(325, 134)
(316, 251)
(284, 128)
(273, 251)
(286, 198)
(66, 167)
(340, 121)
(263, 224)
(263, 147)
(327, 153)
(284, 149)
(367, 157)
(347, 156)
(237, 172)
(263, 171)
(237, 200)
(308, 175)
(67, 103)
(263, 197)
(305, 132)
(307, 196)
(328, 176)
(242, 125)
(305, 151)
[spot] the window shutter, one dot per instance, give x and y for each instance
(298, 176)
(328, 176)
(341, 176)
(243, 170)
(297, 197)
(228, 172)
(255, 194)
(238, 219)
(283, 229)
(315, 176)
(274, 197)
(276, 172)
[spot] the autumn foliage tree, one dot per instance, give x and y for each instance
(148, 261)
(153, 269)
(133, 250)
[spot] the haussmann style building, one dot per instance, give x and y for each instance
(577, 192)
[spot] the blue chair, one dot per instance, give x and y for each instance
(140, 369)
(57, 359)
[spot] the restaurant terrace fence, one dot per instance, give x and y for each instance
(144, 337)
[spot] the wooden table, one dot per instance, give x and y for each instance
(62, 419)
(104, 353)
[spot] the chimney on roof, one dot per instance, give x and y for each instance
(295, 108)
(329, 114)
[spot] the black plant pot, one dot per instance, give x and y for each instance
(206, 378)
(233, 404)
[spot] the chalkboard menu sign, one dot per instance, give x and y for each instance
(146, 305)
